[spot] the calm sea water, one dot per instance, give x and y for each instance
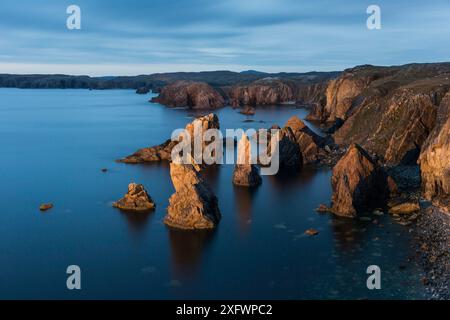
(54, 144)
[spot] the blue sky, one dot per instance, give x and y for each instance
(129, 37)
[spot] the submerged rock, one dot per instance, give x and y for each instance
(191, 94)
(137, 199)
(358, 183)
(245, 173)
(193, 205)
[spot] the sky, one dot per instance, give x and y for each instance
(131, 37)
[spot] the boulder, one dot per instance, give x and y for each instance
(46, 206)
(405, 208)
(191, 94)
(434, 159)
(245, 173)
(249, 111)
(358, 183)
(137, 199)
(193, 205)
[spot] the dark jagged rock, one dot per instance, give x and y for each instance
(194, 95)
(358, 183)
(137, 199)
(311, 144)
(142, 90)
(290, 155)
(193, 205)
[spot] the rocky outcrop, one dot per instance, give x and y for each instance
(164, 150)
(193, 205)
(343, 93)
(311, 145)
(142, 90)
(137, 199)
(389, 111)
(245, 173)
(290, 155)
(267, 91)
(435, 159)
(194, 95)
(358, 184)
(394, 129)
(249, 111)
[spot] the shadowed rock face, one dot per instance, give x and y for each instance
(193, 205)
(358, 183)
(164, 150)
(136, 199)
(195, 95)
(310, 143)
(269, 91)
(290, 155)
(245, 174)
(435, 159)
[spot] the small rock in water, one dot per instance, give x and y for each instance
(46, 206)
(280, 226)
(137, 199)
(405, 208)
(104, 170)
(365, 219)
(323, 208)
(311, 232)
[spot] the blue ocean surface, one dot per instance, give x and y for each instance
(54, 144)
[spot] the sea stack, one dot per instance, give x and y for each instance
(245, 173)
(358, 183)
(137, 199)
(193, 205)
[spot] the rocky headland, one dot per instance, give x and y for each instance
(194, 95)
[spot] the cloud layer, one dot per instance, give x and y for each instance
(137, 37)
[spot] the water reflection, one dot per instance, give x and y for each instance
(243, 198)
(187, 249)
(137, 222)
(289, 178)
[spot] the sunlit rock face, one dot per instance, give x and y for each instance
(435, 159)
(137, 199)
(191, 94)
(245, 173)
(193, 205)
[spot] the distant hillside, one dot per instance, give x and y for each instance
(152, 81)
